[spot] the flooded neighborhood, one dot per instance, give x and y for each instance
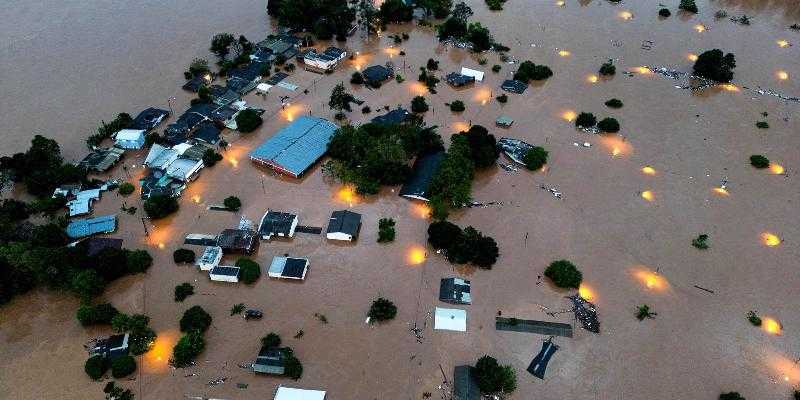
(396, 202)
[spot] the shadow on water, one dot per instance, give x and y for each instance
(789, 9)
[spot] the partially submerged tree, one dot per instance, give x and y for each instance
(122, 366)
(731, 396)
(759, 161)
(463, 246)
(419, 105)
(232, 203)
(159, 206)
(183, 291)
(248, 120)
(608, 125)
(183, 256)
(585, 120)
(340, 100)
(528, 71)
(564, 274)
(187, 348)
(382, 310)
(457, 106)
(700, 242)
(483, 146)
(614, 103)
(644, 312)
(493, 378)
(608, 68)
(249, 270)
(535, 158)
(715, 65)
(96, 366)
(195, 319)
(386, 232)
(688, 6)
(96, 314)
(271, 340)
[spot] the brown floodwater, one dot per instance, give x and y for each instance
(631, 206)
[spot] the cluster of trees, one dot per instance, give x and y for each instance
(141, 336)
(715, 65)
(248, 120)
(452, 183)
(42, 169)
(372, 155)
(608, 68)
(382, 310)
(194, 323)
(183, 256)
(105, 130)
(121, 366)
(564, 274)
(198, 67)
(324, 18)
(160, 205)
(463, 246)
(292, 367)
(495, 5)
(231, 52)
(528, 71)
(102, 313)
(386, 232)
(114, 392)
(457, 27)
(340, 99)
(419, 105)
(27, 260)
(493, 378)
(587, 120)
(183, 291)
(428, 79)
(688, 6)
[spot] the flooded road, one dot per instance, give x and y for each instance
(67, 65)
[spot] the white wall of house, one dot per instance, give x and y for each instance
(340, 236)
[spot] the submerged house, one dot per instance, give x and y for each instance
(295, 147)
(210, 258)
(270, 360)
(224, 273)
(112, 347)
(82, 203)
(101, 160)
(207, 132)
(514, 86)
(377, 74)
(455, 291)
(149, 119)
(288, 268)
(131, 139)
(344, 225)
(457, 80)
(275, 223)
(465, 383)
(91, 226)
(474, 73)
(321, 62)
(274, 45)
(222, 96)
(425, 167)
(394, 117)
(244, 79)
(241, 241)
(179, 131)
(514, 149)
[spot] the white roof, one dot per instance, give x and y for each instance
(182, 147)
(450, 319)
(263, 87)
(160, 157)
(287, 393)
(478, 75)
(130, 134)
(183, 168)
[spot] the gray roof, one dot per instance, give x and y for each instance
(270, 361)
(514, 86)
(455, 291)
(102, 159)
(297, 146)
(225, 270)
(275, 222)
(456, 79)
(465, 385)
(90, 226)
(394, 117)
(237, 240)
(425, 167)
(345, 221)
(376, 73)
(289, 267)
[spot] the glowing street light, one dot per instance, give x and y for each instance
(592, 78)
(569, 115)
(776, 169)
(771, 325)
(586, 292)
(700, 28)
(782, 43)
(626, 15)
(770, 239)
(560, 3)
(416, 255)
(782, 75)
(648, 195)
(721, 190)
(564, 53)
(648, 170)
(691, 57)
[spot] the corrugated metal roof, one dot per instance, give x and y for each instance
(297, 146)
(90, 226)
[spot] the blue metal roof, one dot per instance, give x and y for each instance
(90, 226)
(297, 146)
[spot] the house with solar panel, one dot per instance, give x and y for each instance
(224, 273)
(288, 268)
(275, 223)
(296, 147)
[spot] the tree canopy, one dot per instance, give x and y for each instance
(564, 274)
(372, 155)
(528, 71)
(325, 18)
(493, 378)
(248, 120)
(535, 158)
(482, 145)
(195, 319)
(159, 206)
(249, 271)
(463, 246)
(41, 169)
(382, 310)
(715, 65)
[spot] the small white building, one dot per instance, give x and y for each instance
(211, 257)
(287, 393)
(478, 75)
(450, 319)
(344, 225)
(224, 273)
(184, 169)
(288, 268)
(132, 139)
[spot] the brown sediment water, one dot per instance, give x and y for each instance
(67, 65)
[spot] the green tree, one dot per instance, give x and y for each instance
(419, 105)
(183, 291)
(731, 396)
(493, 378)
(585, 120)
(180, 256)
(715, 65)
(689, 6)
(87, 284)
(614, 103)
(609, 125)
(535, 158)
(395, 11)
(644, 312)
(444, 234)
(248, 120)
(382, 310)
(564, 274)
(96, 366)
(221, 44)
(759, 161)
(386, 231)
(249, 270)
(340, 100)
(126, 188)
(271, 340)
(293, 369)
(232, 203)
(479, 36)
(528, 71)
(457, 106)
(357, 78)
(159, 206)
(483, 146)
(123, 366)
(138, 261)
(114, 392)
(608, 68)
(700, 242)
(211, 157)
(461, 12)
(98, 314)
(188, 347)
(195, 319)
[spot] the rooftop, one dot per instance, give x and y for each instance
(297, 146)
(277, 223)
(425, 167)
(237, 240)
(344, 221)
(91, 226)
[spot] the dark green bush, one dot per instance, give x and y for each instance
(249, 270)
(528, 71)
(123, 366)
(187, 348)
(97, 314)
(232, 203)
(535, 158)
(585, 120)
(689, 6)
(493, 378)
(248, 120)
(457, 106)
(419, 105)
(564, 274)
(382, 310)
(759, 161)
(183, 256)
(664, 12)
(126, 188)
(609, 125)
(614, 103)
(715, 65)
(503, 98)
(159, 206)
(357, 78)
(608, 68)
(386, 232)
(183, 291)
(96, 366)
(195, 319)
(271, 340)
(762, 125)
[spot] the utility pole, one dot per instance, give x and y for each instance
(144, 224)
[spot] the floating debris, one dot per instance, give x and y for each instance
(514, 149)
(585, 312)
(216, 382)
(553, 190)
